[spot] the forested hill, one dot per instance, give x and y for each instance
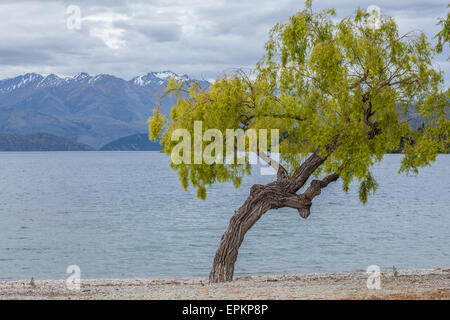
(136, 142)
(39, 142)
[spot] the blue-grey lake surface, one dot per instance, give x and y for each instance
(125, 215)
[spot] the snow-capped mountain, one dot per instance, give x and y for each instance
(51, 80)
(26, 80)
(158, 77)
(81, 77)
(89, 109)
(37, 80)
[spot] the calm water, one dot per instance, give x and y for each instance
(124, 215)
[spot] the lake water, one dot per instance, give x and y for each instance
(124, 215)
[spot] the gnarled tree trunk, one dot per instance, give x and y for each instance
(240, 223)
(275, 195)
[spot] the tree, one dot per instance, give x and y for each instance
(339, 92)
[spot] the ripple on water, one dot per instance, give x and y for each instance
(125, 215)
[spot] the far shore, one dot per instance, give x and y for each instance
(404, 284)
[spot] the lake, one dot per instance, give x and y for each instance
(125, 215)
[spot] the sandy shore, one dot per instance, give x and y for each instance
(407, 284)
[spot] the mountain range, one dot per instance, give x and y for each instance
(96, 111)
(92, 110)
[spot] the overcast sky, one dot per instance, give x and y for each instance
(197, 37)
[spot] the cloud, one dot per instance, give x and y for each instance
(162, 32)
(112, 37)
(198, 37)
(24, 57)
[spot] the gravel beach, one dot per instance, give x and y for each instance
(405, 284)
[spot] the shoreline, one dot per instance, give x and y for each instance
(406, 284)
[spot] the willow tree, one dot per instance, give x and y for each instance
(339, 92)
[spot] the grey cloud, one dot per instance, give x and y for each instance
(200, 38)
(162, 32)
(157, 31)
(29, 57)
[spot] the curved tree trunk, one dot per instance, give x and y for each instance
(227, 252)
(275, 195)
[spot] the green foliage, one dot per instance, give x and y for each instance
(444, 35)
(338, 88)
(367, 185)
(32, 283)
(156, 124)
(395, 272)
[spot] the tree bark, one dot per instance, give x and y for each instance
(243, 219)
(275, 195)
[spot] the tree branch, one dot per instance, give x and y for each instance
(314, 161)
(302, 202)
(302, 174)
(315, 186)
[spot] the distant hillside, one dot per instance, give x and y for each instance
(39, 142)
(136, 142)
(88, 109)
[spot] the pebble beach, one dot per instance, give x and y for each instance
(402, 284)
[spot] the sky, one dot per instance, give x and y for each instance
(201, 38)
